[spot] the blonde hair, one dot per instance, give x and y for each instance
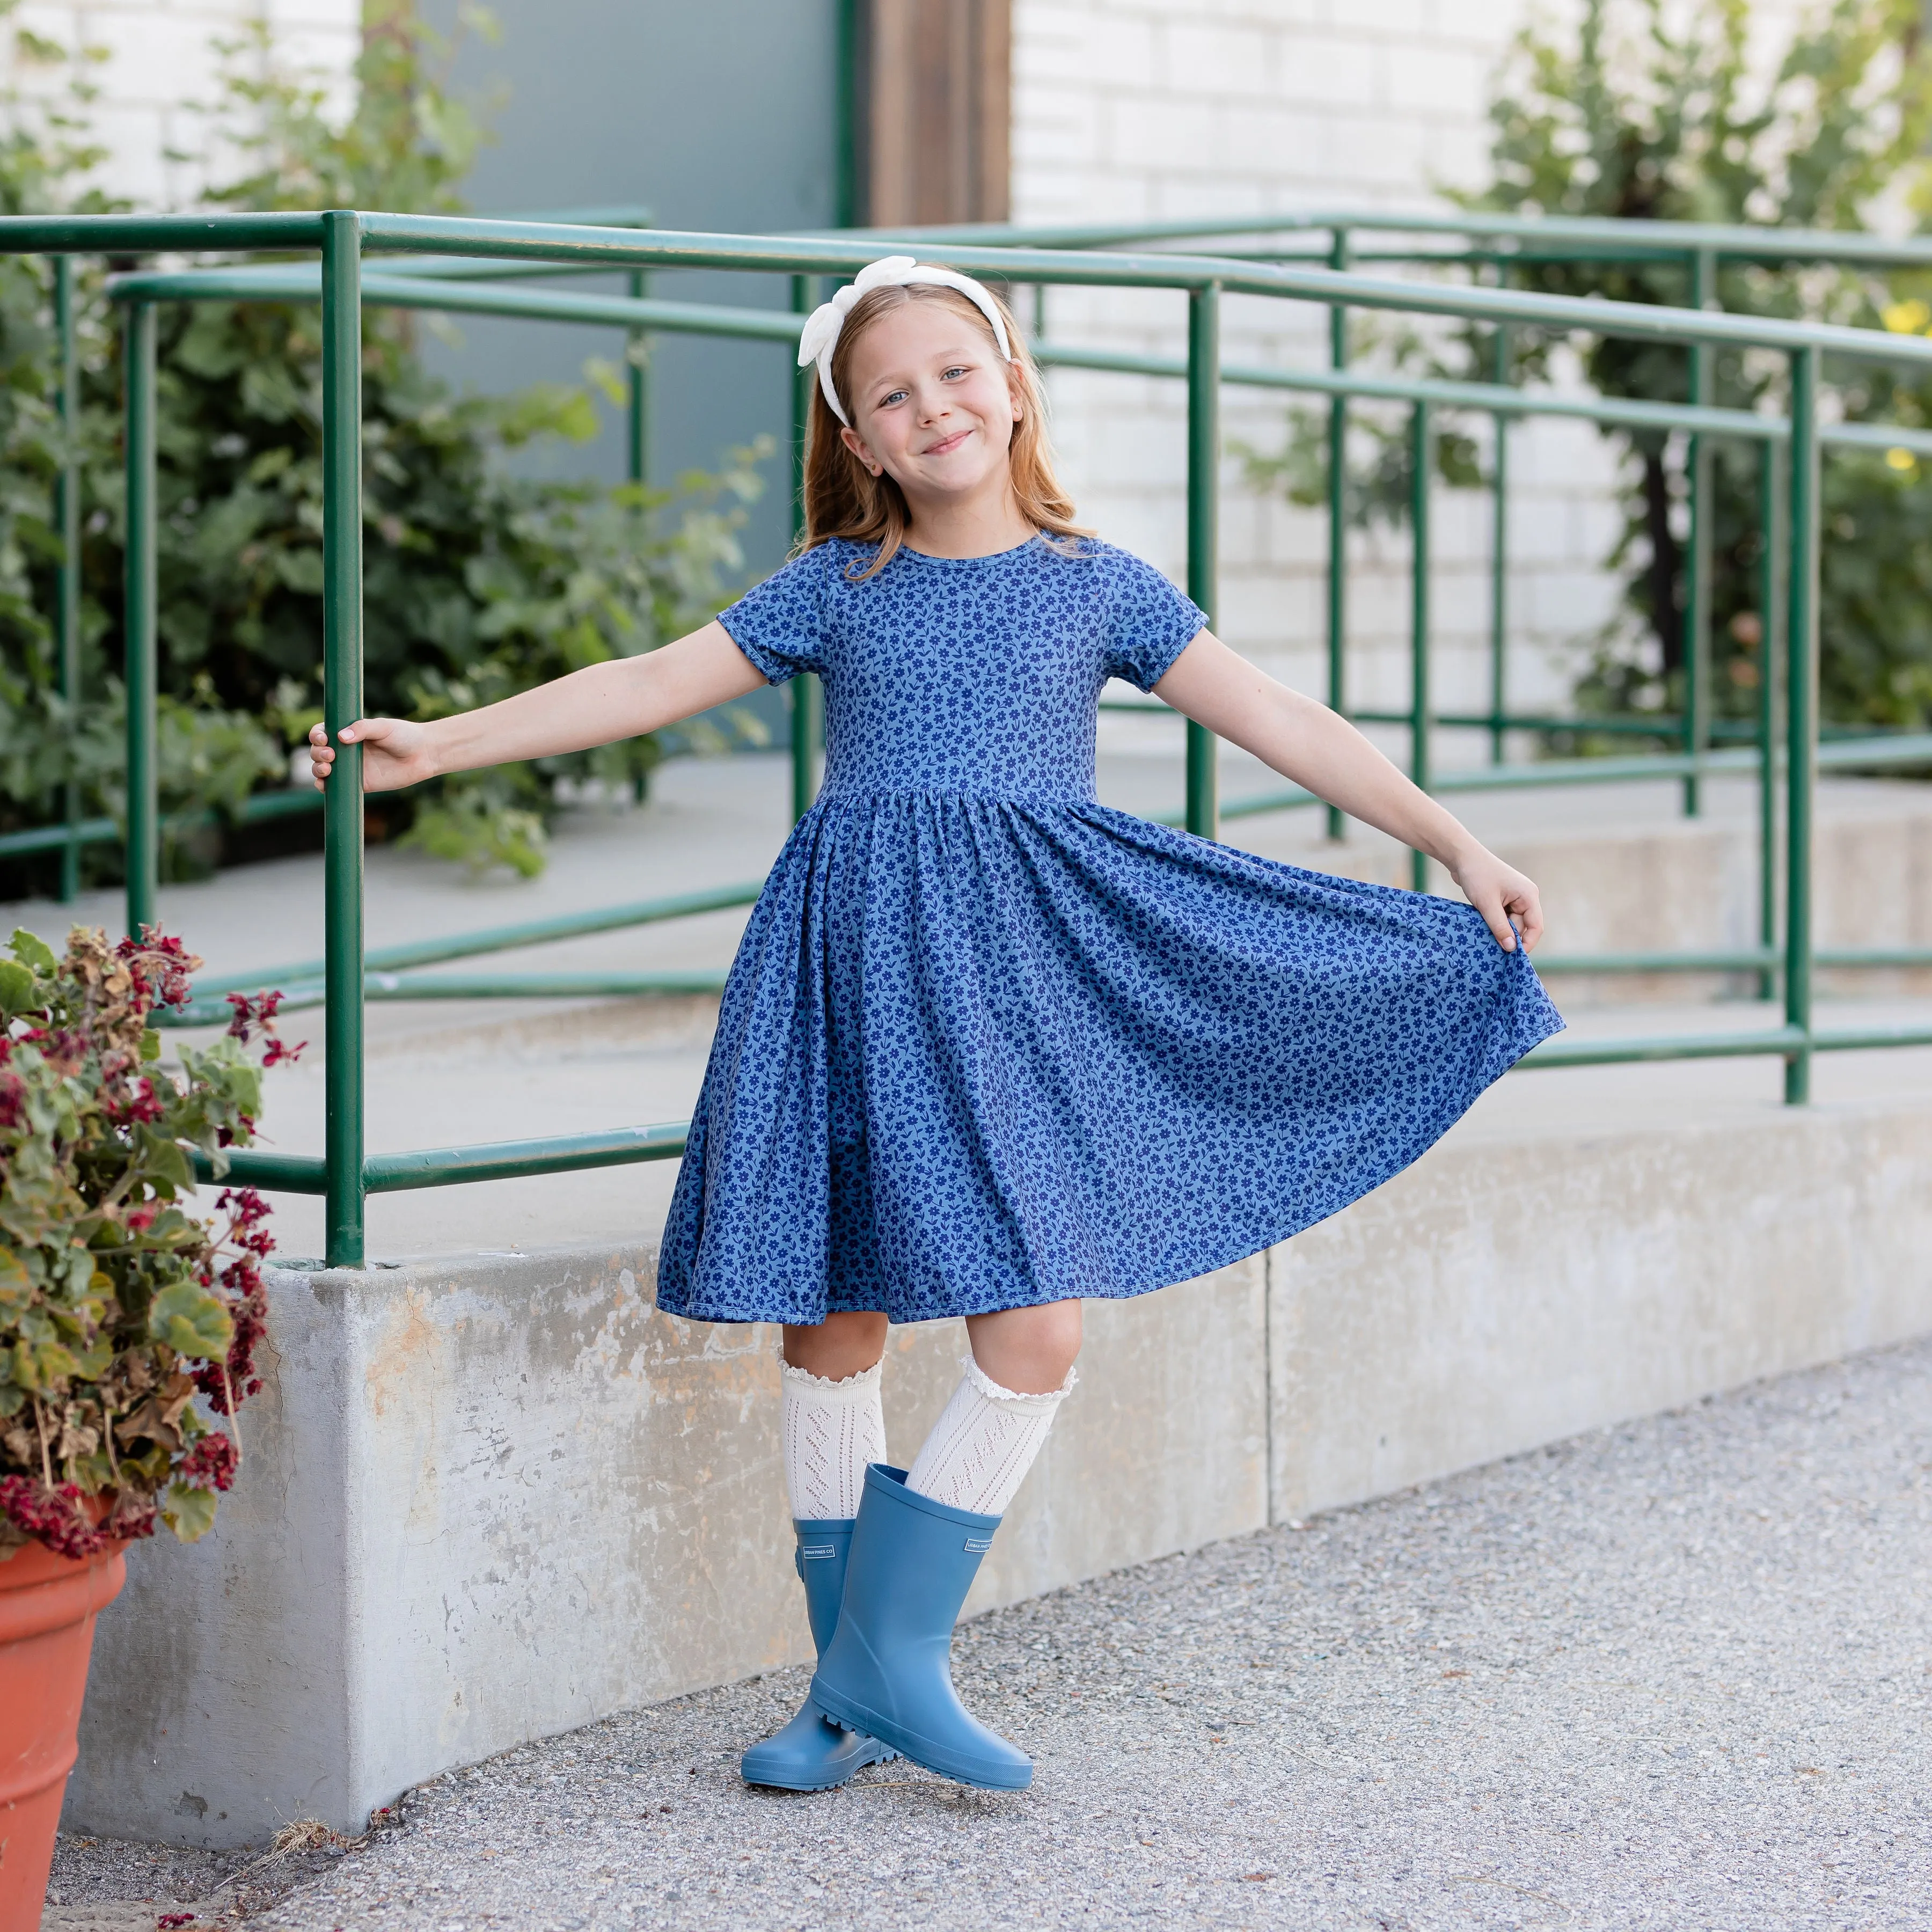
(843, 499)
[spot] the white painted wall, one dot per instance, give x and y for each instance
(161, 59)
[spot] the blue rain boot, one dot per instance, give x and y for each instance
(888, 1672)
(811, 1753)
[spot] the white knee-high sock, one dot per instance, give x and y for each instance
(832, 1431)
(981, 1447)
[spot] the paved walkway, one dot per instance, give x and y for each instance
(1671, 1675)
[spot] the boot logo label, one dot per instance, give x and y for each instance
(813, 1552)
(978, 1546)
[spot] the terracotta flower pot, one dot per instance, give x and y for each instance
(47, 1608)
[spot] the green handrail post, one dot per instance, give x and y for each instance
(1338, 513)
(1203, 456)
(1801, 710)
(803, 708)
(67, 578)
(343, 1132)
(140, 621)
(1421, 450)
(1696, 619)
(1770, 522)
(637, 392)
(1499, 373)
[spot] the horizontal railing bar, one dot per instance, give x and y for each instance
(1645, 724)
(1737, 241)
(1746, 959)
(648, 248)
(384, 290)
(301, 996)
(1782, 1041)
(1874, 1035)
(381, 288)
(154, 234)
(1648, 725)
(255, 1167)
(497, 939)
(1753, 959)
(1908, 747)
(511, 1160)
(1491, 398)
(447, 1167)
(538, 985)
(255, 809)
(1563, 1051)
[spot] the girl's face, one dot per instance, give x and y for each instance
(932, 403)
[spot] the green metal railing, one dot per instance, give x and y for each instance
(441, 271)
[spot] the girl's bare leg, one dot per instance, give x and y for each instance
(845, 1343)
(1028, 1350)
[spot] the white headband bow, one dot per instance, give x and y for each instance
(822, 326)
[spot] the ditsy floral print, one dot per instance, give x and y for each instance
(988, 1043)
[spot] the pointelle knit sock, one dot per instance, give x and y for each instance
(983, 1445)
(832, 1430)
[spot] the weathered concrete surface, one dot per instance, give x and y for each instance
(496, 1499)
(1501, 1295)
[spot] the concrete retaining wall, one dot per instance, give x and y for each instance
(489, 1500)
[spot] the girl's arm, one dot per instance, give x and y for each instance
(624, 698)
(1309, 743)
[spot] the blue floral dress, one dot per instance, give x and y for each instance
(988, 1043)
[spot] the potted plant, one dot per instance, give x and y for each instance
(128, 1327)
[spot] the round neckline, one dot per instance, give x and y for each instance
(990, 556)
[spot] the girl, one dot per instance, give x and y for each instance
(988, 1047)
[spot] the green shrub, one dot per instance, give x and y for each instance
(1646, 111)
(478, 582)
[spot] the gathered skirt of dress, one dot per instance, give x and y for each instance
(979, 1053)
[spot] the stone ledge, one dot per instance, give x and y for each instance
(491, 1499)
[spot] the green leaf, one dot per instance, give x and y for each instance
(34, 953)
(191, 1321)
(17, 986)
(41, 1364)
(188, 1512)
(165, 1161)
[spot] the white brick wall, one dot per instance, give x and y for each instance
(1158, 109)
(1131, 109)
(160, 61)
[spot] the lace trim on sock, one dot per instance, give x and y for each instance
(866, 1378)
(992, 1391)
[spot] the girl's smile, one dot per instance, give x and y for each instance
(934, 408)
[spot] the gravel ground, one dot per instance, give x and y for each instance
(1673, 1675)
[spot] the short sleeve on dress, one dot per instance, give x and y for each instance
(1150, 623)
(780, 624)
